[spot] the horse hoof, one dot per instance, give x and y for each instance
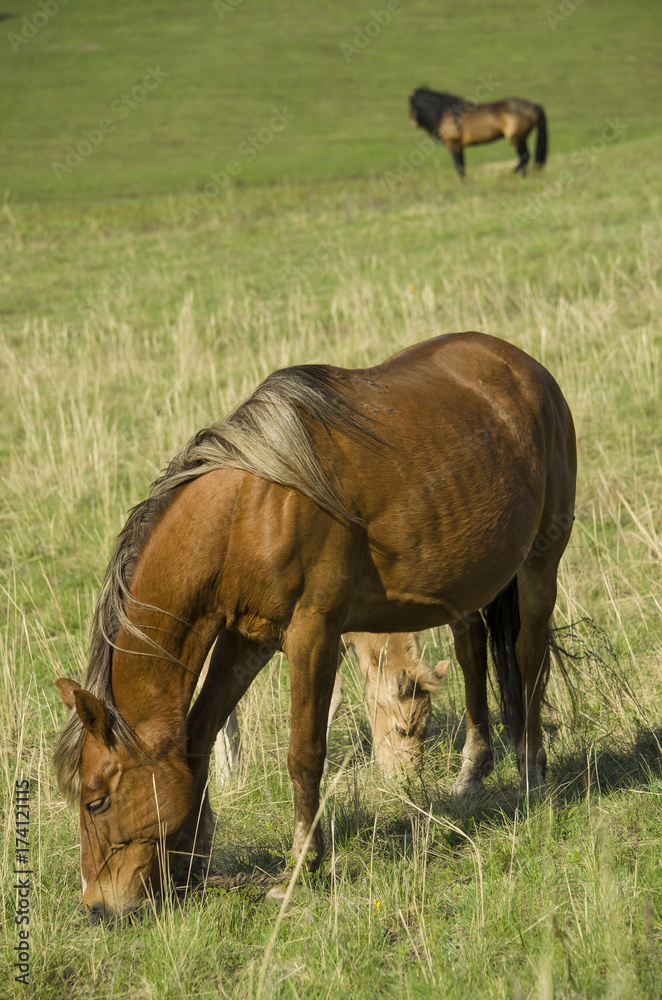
(468, 788)
(469, 782)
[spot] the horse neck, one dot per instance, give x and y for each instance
(147, 684)
(177, 572)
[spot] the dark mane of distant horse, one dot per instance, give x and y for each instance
(267, 436)
(431, 106)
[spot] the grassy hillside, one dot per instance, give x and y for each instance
(220, 72)
(136, 308)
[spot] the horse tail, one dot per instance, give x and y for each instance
(541, 144)
(503, 624)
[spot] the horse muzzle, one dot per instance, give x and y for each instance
(100, 913)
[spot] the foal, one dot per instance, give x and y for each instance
(399, 683)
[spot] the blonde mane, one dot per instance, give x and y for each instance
(267, 436)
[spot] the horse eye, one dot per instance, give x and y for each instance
(98, 805)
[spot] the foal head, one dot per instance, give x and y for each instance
(402, 715)
(133, 802)
(400, 684)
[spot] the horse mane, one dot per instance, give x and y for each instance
(430, 107)
(267, 435)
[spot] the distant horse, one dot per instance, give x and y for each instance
(459, 123)
(399, 684)
(394, 498)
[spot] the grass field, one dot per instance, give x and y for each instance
(138, 304)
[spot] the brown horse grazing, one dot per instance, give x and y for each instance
(399, 683)
(459, 123)
(399, 497)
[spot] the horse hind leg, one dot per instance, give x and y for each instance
(518, 142)
(470, 639)
(536, 582)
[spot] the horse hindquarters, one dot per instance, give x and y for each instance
(518, 620)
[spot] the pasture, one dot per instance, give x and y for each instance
(139, 304)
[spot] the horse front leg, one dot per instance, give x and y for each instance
(470, 638)
(235, 662)
(312, 652)
(457, 152)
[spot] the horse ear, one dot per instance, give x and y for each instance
(401, 685)
(428, 678)
(93, 715)
(440, 668)
(66, 687)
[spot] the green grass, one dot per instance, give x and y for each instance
(135, 310)
(226, 75)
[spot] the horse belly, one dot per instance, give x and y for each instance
(480, 127)
(439, 555)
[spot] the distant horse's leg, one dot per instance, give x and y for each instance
(519, 142)
(313, 659)
(235, 662)
(470, 640)
(457, 152)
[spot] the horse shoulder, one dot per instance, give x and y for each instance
(449, 128)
